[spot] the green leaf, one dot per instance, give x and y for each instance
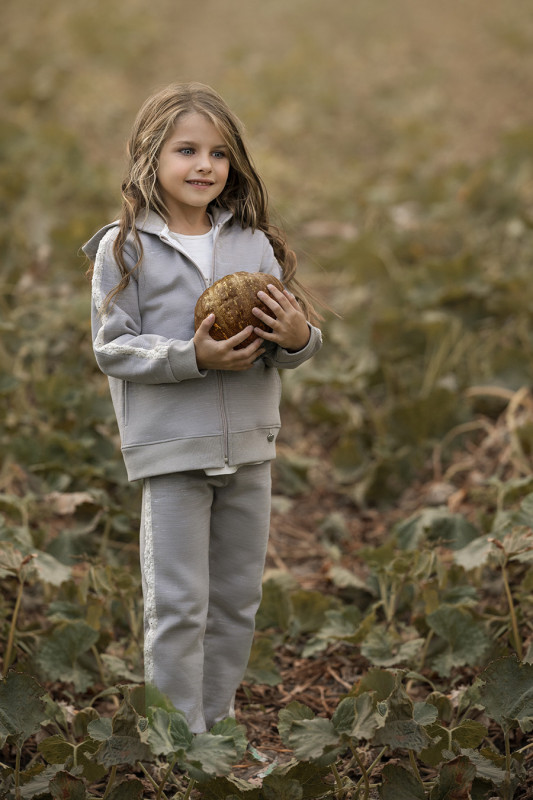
(506, 692)
(58, 750)
(294, 712)
(50, 570)
(358, 717)
(386, 649)
(209, 756)
(469, 733)
(436, 525)
(308, 610)
(402, 734)
(130, 789)
(125, 745)
(455, 780)
(473, 555)
(279, 787)
(466, 640)
(22, 709)
(308, 776)
(275, 608)
(67, 787)
(424, 713)
(59, 654)
(400, 784)
(230, 727)
(381, 681)
(315, 740)
(100, 729)
(261, 667)
(168, 732)
(229, 788)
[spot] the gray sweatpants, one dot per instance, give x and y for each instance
(203, 547)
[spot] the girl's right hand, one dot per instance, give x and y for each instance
(211, 354)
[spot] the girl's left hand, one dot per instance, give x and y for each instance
(289, 325)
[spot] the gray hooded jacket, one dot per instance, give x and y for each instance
(171, 415)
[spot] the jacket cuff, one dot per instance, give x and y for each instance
(298, 356)
(182, 361)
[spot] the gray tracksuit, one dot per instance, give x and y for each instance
(172, 416)
(203, 538)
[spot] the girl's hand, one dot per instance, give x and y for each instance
(211, 354)
(289, 325)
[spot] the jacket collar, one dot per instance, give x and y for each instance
(153, 223)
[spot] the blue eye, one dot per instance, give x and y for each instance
(219, 154)
(187, 151)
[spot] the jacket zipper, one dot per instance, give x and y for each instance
(220, 382)
(220, 378)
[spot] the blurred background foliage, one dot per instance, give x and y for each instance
(396, 140)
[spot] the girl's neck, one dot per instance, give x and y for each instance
(191, 224)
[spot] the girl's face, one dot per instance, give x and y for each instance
(193, 166)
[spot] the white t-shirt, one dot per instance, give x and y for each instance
(200, 249)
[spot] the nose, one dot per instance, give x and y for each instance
(203, 163)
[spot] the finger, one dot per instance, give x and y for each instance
(281, 297)
(207, 323)
(271, 336)
(233, 341)
(270, 301)
(262, 315)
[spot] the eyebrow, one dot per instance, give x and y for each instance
(185, 143)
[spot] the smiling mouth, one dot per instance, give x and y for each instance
(200, 183)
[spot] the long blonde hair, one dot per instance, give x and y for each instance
(244, 193)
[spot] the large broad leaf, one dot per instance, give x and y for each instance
(58, 750)
(130, 789)
(67, 787)
(209, 756)
(455, 780)
(358, 717)
(308, 776)
(22, 709)
(402, 734)
(168, 732)
(230, 727)
(315, 740)
(447, 741)
(466, 641)
(261, 666)
(400, 784)
(387, 649)
(507, 693)
(294, 712)
(280, 787)
(436, 525)
(312, 738)
(122, 742)
(59, 655)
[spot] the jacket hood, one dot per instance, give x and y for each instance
(150, 223)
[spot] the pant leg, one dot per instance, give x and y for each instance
(239, 534)
(175, 570)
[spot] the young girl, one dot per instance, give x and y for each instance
(198, 419)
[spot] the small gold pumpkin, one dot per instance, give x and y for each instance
(231, 300)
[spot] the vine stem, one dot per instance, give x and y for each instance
(11, 637)
(338, 780)
(190, 787)
(512, 612)
(364, 773)
(414, 765)
(151, 779)
(111, 781)
(507, 765)
(165, 778)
